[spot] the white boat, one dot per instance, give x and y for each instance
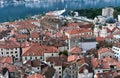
(56, 13)
(1, 2)
(32, 0)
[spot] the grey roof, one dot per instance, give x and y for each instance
(110, 20)
(88, 40)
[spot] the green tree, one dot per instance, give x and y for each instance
(65, 52)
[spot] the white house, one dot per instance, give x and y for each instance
(105, 52)
(34, 36)
(116, 50)
(36, 51)
(56, 62)
(10, 49)
(85, 74)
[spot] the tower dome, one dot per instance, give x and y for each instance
(110, 20)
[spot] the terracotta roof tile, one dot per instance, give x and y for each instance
(102, 50)
(72, 24)
(10, 67)
(35, 75)
(77, 31)
(34, 34)
(75, 50)
(33, 63)
(8, 60)
(12, 39)
(72, 58)
(95, 62)
(37, 50)
(98, 39)
(108, 30)
(21, 36)
(10, 44)
(58, 34)
(55, 60)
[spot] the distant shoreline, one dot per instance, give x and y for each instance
(89, 13)
(93, 12)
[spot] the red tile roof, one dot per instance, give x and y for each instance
(10, 67)
(21, 36)
(58, 34)
(34, 34)
(75, 50)
(110, 36)
(37, 50)
(57, 61)
(72, 58)
(26, 44)
(114, 29)
(102, 50)
(108, 59)
(33, 50)
(35, 75)
(77, 31)
(10, 44)
(26, 27)
(95, 62)
(48, 34)
(105, 63)
(12, 39)
(33, 63)
(8, 60)
(72, 24)
(81, 61)
(98, 39)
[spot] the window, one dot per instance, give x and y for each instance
(40, 57)
(25, 58)
(60, 72)
(2, 53)
(59, 68)
(110, 56)
(30, 58)
(35, 57)
(11, 52)
(7, 52)
(52, 54)
(7, 49)
(38, 68)
(16, 58)
(15, 51)
(16, 55)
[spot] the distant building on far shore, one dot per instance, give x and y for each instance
(118, 18)
(108, 12)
